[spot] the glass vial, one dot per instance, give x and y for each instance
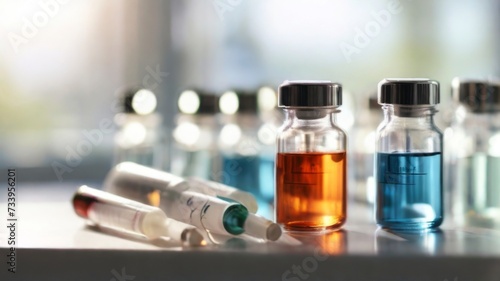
(474, 153)
(195, 135)
(140, 137)
(363, 147)
(311, 159)
(247, 144)
(408, 158)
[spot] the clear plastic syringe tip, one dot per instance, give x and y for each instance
(262, 228)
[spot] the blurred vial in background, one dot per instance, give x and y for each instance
(195, 135)
(453, 114)
(140, 137)
(474, 153)
(247, 143)
(346, 120)
(363, 148)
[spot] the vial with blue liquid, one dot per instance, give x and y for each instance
(408, 159)
(247, 143)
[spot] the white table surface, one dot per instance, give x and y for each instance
(55, 244)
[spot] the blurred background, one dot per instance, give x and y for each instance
(64, 64)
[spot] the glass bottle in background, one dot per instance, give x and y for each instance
(408, 161)
(195, 151)
(246, 143)
(345, 120)
(311, 164)
(453, 113)
(271, 119)
(474, 149)
(363, 149)
(140, 137)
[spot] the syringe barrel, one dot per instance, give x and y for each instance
(111, 211)
(222, 190)
(139, 183)
(203, 211)
(176, 198)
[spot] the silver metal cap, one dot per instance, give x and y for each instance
(309, 94)
(477, 95)
(408, 91)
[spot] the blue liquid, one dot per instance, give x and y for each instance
(254, 174)
(409, 190)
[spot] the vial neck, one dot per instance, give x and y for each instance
(311, 115)
(409, 113)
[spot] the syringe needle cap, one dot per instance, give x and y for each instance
(262, 228)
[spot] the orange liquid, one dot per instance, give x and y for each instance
(311, 190)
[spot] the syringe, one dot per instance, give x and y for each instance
(174, 196)
(223, 191)
(153, 179)
(115, 212)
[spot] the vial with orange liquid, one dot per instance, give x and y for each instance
(311, 159)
